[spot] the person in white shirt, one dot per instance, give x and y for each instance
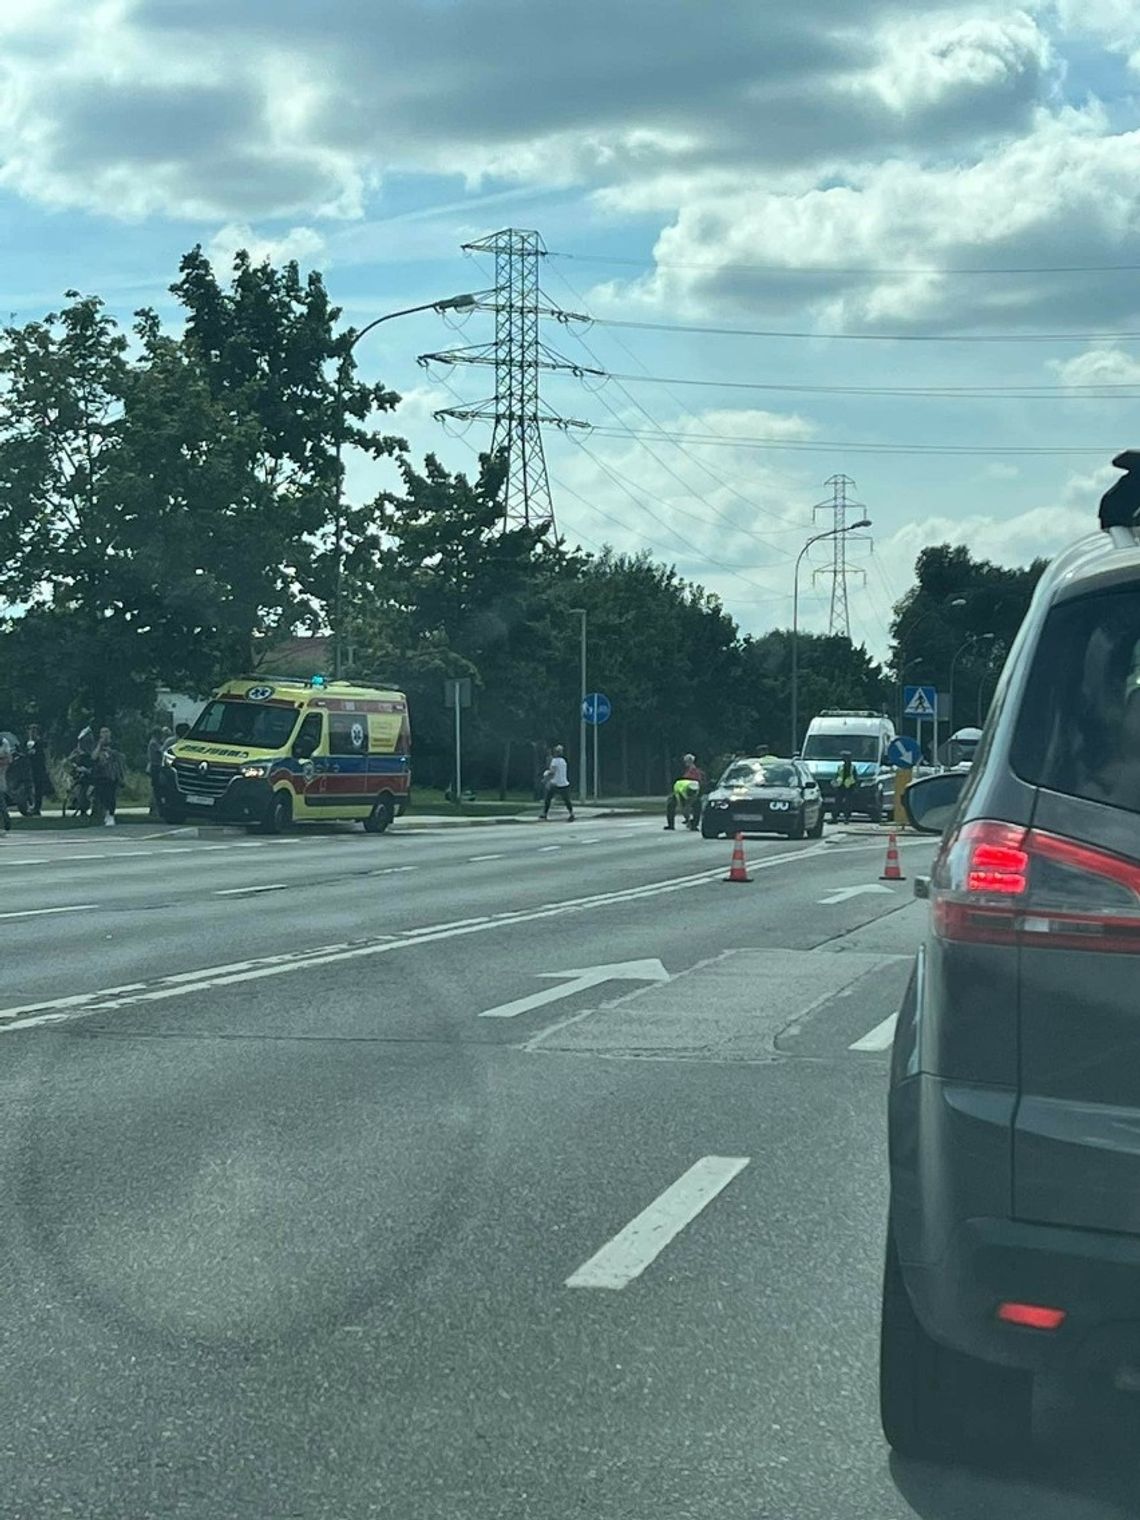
(556, 780)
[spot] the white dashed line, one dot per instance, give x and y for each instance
(548, 849)
(631, 1250)
(476, 859)
(40, 912)
(273, 886)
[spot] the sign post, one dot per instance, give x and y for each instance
(596, 710)
(921, 702)
(903, 753)
(457, 694)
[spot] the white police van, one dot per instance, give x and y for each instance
(865, 736)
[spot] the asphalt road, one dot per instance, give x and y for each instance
(507, 1171)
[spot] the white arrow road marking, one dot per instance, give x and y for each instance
(879, 1038)
(845, 893)
(631, 1250)
(590, 976)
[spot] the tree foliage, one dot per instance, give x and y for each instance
(947, 618)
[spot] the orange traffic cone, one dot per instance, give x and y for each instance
(738, 871)
(892, 871)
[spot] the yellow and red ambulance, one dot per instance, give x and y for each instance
(270, 750)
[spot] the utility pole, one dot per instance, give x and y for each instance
(839, 618)
(517, 355)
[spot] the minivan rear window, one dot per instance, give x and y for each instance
(1078, 729)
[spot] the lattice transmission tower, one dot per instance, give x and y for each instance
(518, 354)
(839, 505)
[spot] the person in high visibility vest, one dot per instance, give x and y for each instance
(845, 783)
(686, 794)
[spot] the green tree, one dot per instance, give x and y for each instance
(965, 607)
(269, 353)
(833, 673)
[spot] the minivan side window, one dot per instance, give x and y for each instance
(1079, 724)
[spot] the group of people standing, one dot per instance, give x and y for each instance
(95, 771)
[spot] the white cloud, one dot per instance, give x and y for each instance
(301, 243)
(270, 109)
(1098, 366)
(1067, 192)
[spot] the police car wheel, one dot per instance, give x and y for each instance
(380, 817)
(799, 829)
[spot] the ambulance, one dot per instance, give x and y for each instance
(268, 751)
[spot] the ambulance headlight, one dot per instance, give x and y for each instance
(255, 772)
(167, 757)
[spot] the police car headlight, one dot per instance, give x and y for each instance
(719, 802)
(255, 772)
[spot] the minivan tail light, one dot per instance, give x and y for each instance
(997, 883)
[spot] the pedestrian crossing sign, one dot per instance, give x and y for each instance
(920, 701)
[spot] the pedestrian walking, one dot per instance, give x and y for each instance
(110, 771)
(36, 751)
(556, 783)
(154, 748)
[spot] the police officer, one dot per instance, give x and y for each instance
(845, 784)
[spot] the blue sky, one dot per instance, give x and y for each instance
(738, 164)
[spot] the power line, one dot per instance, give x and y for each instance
(865, 271)
(826, 446)
(1108, 391)
(700, 464)
(706, 330)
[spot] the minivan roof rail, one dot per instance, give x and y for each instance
(1120, 504)
(850, 712)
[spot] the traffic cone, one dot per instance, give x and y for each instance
(738, 871)
(892, 871)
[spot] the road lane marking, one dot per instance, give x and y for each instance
(108, 999)
(39, 912)
(272, 886)
(473, 860)
(879, 1038)
(590, 976)
(548, 849)
(844, 894)
(631, 1250)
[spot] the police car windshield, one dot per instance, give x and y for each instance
(251, 724)
(862, 747)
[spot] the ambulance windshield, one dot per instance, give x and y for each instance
(252, 725)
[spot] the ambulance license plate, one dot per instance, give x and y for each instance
(200, 801)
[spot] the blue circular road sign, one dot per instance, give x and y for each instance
(904, 752)
(596, 708)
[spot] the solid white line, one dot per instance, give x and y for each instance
(880, 1037)
(474, 860)
(631, 1250)
(273, 886)
(39, 912)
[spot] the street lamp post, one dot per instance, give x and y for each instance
(975, 638)
(451, 303)
(864, 522)
(581, 612)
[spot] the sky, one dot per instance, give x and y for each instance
(928, 199)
